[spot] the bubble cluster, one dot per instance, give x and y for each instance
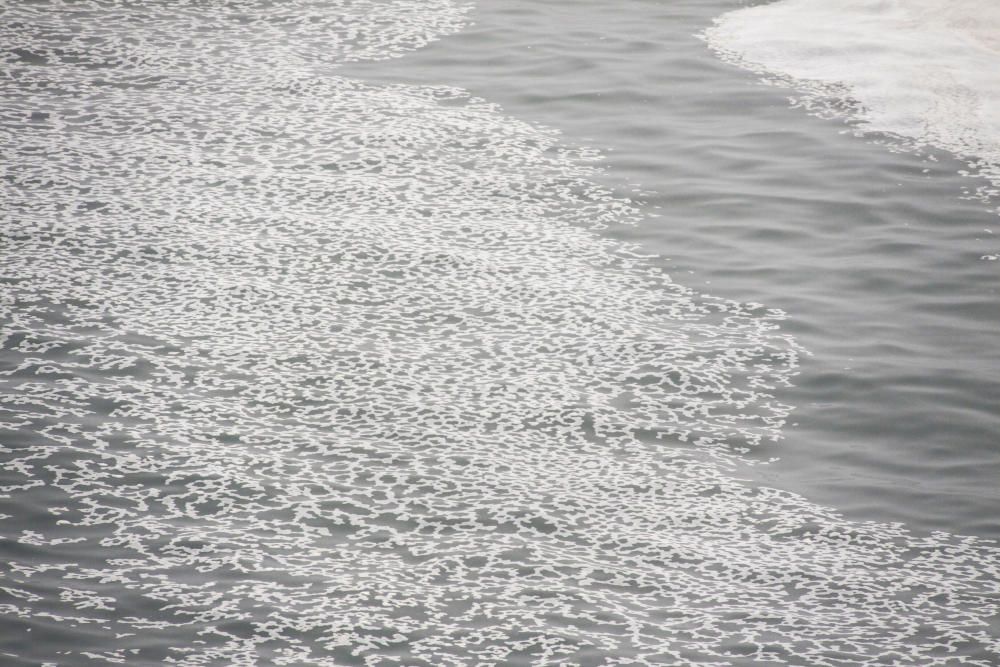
(299, 370)
(910, 75)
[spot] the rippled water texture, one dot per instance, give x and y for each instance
(875, 250)
(304, 366)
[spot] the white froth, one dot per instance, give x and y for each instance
(924, 70)
(300, 370)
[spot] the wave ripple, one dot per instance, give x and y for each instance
(303, 370)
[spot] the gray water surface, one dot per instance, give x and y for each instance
(413, 333)
(875, 254)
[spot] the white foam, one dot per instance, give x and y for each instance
(925, 70)
(297, 369)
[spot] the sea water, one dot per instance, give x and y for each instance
(318, 353)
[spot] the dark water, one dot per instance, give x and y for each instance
(323, 346)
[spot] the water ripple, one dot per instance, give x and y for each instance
(303, 370)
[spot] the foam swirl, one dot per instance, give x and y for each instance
(926, 72)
